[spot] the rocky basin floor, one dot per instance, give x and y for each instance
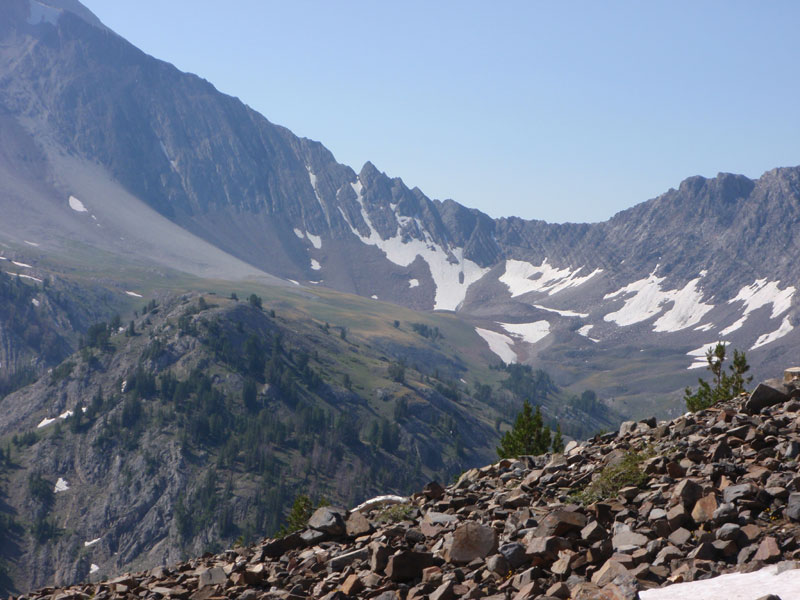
(653, 504)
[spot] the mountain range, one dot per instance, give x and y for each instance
(123, 180)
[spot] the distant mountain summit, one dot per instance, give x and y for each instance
(146, 148)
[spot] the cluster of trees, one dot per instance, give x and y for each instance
(426, 331)
(529, 435)
(724, 385)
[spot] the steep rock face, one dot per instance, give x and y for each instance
(654, 284)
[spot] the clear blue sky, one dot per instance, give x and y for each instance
(563, 111)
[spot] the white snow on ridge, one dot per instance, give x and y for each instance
(299, 233)
(61, 485)
(412, 283)
(134, 294)
(758, 294)
(41, 13)
(733, 586)
(21, 264)
(529, 332)
(315, 264)
(34, 244)
(451, 272)
(563, 313)
(648, 300)
(499, 343)
(77, 205)
(767, 338)
(522, 277)
(91, 542)
(705, 327)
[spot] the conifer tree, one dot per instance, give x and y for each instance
(529, 435)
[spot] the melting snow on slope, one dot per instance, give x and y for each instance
(94, 568)
(315, 265)
(315, 240)
(733, 586)
(758, 294)
(34, 244)
(584, 331)
(522, 277)
(452, 279)
(134, 294)
(529, 332)
(648, 300)
(374, 297)
(45, 422)
(563, 313)
(35, 302)
(61, 485)
(412, 283)
(705, 327)
(499, 343)
(699, 354)
(767, 338)
(21, 264)
(36, 279)
(76, 205)
(91, 542)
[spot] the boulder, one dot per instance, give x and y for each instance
(470, 541)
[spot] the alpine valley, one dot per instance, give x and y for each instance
(203, 315)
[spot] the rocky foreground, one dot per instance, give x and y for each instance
(652, 504)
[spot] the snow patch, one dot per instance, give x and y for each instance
(768, 338)
(452, 273)
(22, 264)
(77, 205)
(134, 294)
(648, 300)
(315, 264)
(522, 277)
(412, 283)
(706, 327)
(3, 258)
(34, 244)
(35, 302)
(499, 343)
(584, 331)
(699, 354)
(41, 13)
(46, 421)
(91, 542)
(529, 332)
(374, 297)
(93, 568)
(760, 293)
(293, 281)
(733, 586)
(563, 313)
(61, 485)
(36, 279)
(315, 240)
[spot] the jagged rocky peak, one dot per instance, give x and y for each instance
(627, 512)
